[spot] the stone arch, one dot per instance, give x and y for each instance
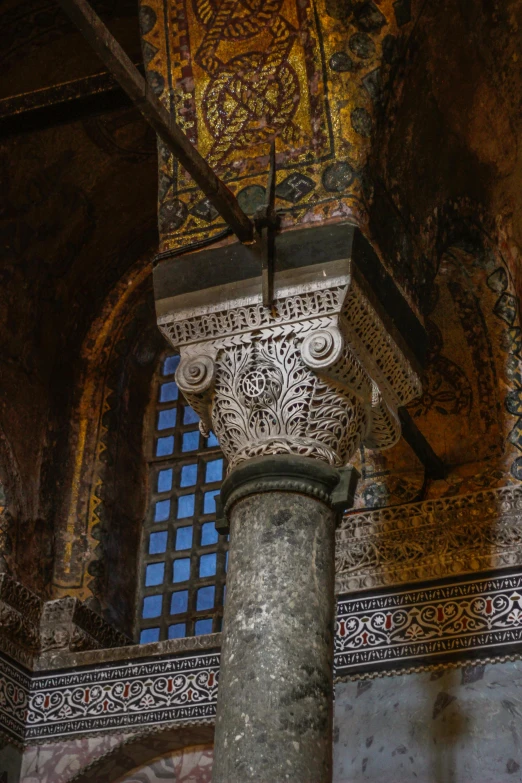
(113, 757)
(99, 521)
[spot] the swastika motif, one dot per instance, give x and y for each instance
(238, 73)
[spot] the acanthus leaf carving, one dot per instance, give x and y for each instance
(316, 375)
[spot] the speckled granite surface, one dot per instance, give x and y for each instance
(456, 726)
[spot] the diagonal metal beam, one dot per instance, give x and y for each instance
(133, 83)
(413, 436)
(61, 103)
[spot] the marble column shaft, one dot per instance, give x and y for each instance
(274, 722)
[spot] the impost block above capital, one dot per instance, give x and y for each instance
(318, 373)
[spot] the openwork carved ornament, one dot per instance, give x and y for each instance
(433, 539)
(316, 375)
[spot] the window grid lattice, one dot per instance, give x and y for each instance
(184, 560)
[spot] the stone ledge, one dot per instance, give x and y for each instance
(31, 629)
(66, 658)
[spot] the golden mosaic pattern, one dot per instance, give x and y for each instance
(237, 73)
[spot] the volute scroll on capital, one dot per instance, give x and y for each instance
(316, 375)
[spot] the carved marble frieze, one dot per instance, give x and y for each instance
(67, 623)
(20, 612)
(315, 375)
(30, 627)
(436, 538)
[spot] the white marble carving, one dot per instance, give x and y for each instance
(315, 375)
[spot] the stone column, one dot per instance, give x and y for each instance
(291, 392)
(274, 719)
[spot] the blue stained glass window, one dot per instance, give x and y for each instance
(162, 511)
(165, 446)
(165, 480)
(179, 602)
(177, 631)
(203, 626)
(167, 419)
(149, 635)
(214, 470)
(180, 529)
(209, 502)
(207, 565)
(212, 441)
(152, 606)
(170, 365)
(158, 543)
(189, 415)
(209, 534)
(168, 392)
(190, 441)
(186, 506)
(189, 475)
(154, 574)
(205, 598)
(181, 570)
(183, 537)
(226, 562)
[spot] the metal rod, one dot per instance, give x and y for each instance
(266, 222)
(133, 83)
(413, 436)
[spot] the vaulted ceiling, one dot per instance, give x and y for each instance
(79, 177)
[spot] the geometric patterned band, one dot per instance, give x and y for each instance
(450, 621)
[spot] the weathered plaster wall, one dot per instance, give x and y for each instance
(71, 227)
(453, 726)
(448, 135)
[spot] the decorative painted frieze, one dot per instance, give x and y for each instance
(443, 622)
(123, 695)
(15, 682)
(446, 622)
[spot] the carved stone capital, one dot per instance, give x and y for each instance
(316, 375)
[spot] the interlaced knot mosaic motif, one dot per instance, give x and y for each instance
(254, 95)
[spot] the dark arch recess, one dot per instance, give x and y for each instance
(141, 749)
